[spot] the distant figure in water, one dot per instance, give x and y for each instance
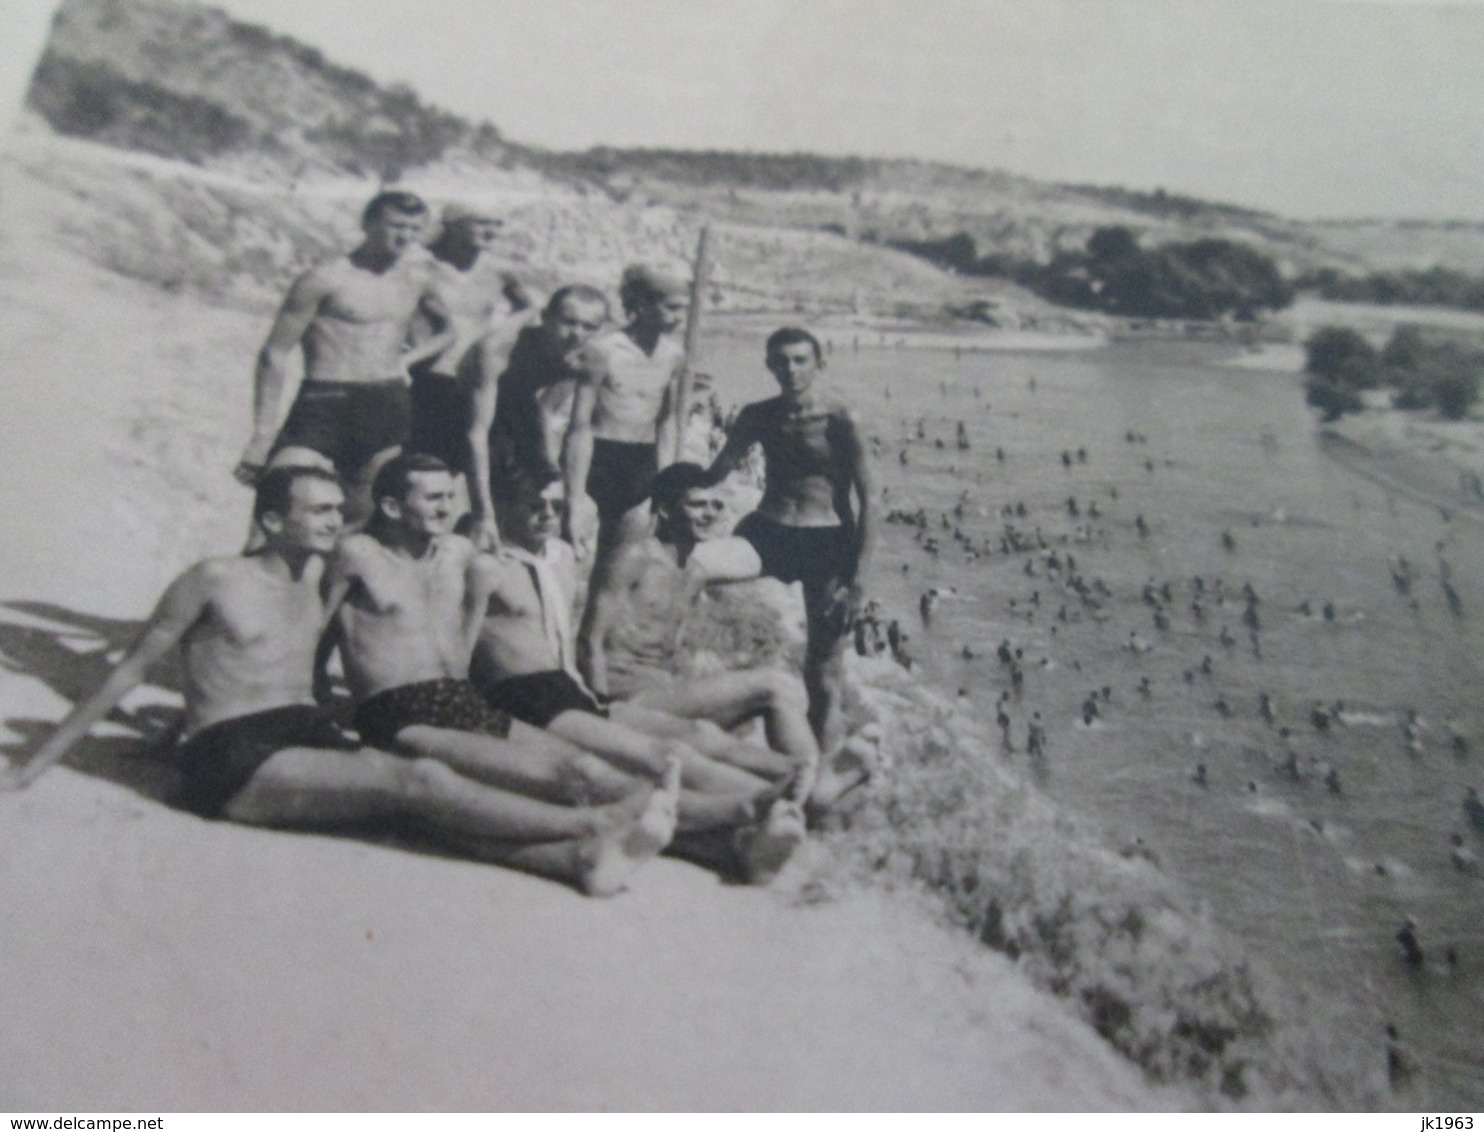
(1473, 809)
(1406, 937)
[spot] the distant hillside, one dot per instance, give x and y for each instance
(192, 85)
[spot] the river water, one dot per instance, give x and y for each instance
(1232, 484)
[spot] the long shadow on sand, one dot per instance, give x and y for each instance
(72, 653)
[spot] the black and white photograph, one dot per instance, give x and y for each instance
(742, 555)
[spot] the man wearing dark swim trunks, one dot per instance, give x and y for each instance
(351, 317)
(632, 625)
(625, 416)
(524, 663)
(481, 296)
(522, 396)
(259, 750)
(804, 528)
(406, 621)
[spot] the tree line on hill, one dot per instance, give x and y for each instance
(1434, 287)
(1199, 279)
(1421, 372)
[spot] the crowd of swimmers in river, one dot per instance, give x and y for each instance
(459, 459)
(1210, 630)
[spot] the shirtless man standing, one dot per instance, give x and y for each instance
(804, 529)
(477, 293)
(522, 396)
(258, 750)
(351, 317)
(642, 607)
(625, 416)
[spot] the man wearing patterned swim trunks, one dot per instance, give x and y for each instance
(259, 750)
(350, 316)
(405, 626)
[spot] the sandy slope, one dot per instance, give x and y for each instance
(162, 963)
(152, 961)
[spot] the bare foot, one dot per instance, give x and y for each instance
(629, 839)
(766, 847)
(852, 765)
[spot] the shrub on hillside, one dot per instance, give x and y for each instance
(93, 100)
(1334, 398)
(1342, 355)
(1427, 375)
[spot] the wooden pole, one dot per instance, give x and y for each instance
(692, 339)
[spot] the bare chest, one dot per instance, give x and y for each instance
(362, 297)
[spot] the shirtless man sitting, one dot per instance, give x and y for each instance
(258, 750)
(405, 598)
(523, 662)
(804, 528)
(625, 415)
(642, 607)
(351, 317)
(522, 396)
(480, 296)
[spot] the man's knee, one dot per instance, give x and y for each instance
(423, 778)
(783, 691)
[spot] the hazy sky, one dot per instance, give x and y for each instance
(1307, 107)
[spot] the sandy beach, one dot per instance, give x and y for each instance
(155, 961)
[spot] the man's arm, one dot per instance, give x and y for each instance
(858, 468)
(181, 607)
(740, 437)
(435, 314)
(516, 293)
(577, 459)
(287, 333)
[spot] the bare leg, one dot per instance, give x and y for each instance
(529, 761)
(631, 749)
(824, 669)
(598, 847)
(707, 738)
(729, 699)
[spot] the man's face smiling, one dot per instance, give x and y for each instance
(314, 518)
(573, 323)
(701, 510)
(796, 367)
(427, 508)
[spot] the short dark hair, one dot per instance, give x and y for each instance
(396, 200)
(394, 479)
(671, 484)
(522, 481)
(582, 292)
(275, 488)
(791, 336)
(642, 286)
